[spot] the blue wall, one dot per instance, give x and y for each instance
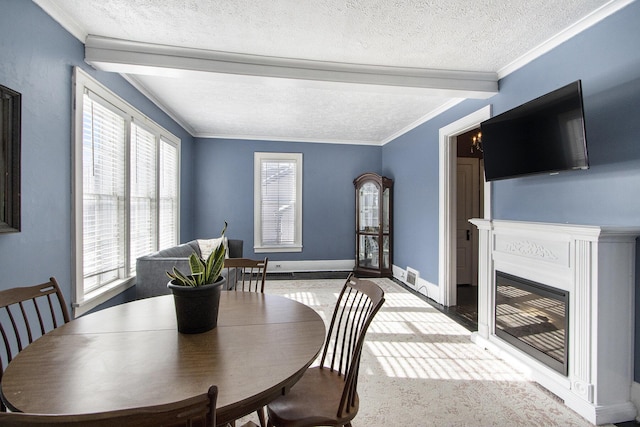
(37, 57)
(224, 184)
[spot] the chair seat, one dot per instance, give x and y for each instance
(312, 401)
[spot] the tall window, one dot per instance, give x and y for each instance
(126, 177)
(278, 202)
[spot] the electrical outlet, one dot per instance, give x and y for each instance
(278, 266)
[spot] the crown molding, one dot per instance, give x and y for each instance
(430, 115)
(566, 34)
(59, 15)
(172, 114)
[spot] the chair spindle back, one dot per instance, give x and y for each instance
(246, 274)
(357, 304)
(27, 313)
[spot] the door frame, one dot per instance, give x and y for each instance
(447, 201)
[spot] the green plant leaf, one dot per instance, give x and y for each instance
(215, 263)
(197, 267)
(182, 279)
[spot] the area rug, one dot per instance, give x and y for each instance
(420, 368)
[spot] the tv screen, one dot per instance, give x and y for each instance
(545, 135)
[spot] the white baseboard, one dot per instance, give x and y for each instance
(307, 266)
(635, 397)
(422, 286)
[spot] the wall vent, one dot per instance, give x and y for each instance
(412, 277)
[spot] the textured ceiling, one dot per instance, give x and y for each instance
(481, 38)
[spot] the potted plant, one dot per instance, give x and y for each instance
(197, 295)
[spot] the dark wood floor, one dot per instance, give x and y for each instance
(466, 310)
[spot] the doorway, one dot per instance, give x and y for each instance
(448, 232)
(469, 200)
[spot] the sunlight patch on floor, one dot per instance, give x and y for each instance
(424, 322)
(403, 299)
(306, 298)
(440, 361)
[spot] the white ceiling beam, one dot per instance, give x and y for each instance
(128, 57)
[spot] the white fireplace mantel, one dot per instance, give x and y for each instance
(596, 265)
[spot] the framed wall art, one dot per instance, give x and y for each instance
(10, 141)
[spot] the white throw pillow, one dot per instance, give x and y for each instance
(209, 245)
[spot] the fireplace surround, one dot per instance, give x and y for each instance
(595, 266)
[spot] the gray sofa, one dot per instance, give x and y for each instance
(151, 278)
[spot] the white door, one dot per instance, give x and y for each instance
(468, 206)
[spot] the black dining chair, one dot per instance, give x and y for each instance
(27, 313)
(326, 395)
(194, 411)
(250, 274)
(247, 275)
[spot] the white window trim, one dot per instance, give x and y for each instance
(81, 81)
(258, 247)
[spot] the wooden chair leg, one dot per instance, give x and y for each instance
(263, 422)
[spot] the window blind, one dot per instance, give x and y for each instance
(168, 206)
(143, 194)
(103, 152)
(278, 202)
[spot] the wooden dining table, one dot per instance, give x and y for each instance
(132, 355)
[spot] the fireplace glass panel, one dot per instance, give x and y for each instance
(534, 318)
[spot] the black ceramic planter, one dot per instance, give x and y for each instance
(197, 307)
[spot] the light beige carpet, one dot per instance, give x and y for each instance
(420, 368)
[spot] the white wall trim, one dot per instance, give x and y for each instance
(447, 201)
(57, 13)
(142, 89)
(441, 109)
(635, 397)
(566, 34)
(422, 286)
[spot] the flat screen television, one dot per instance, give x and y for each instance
(545, 135)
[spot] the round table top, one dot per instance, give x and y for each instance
(132, 355)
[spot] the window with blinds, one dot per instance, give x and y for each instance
(278, 202)
(143, 194)
(168, 193)
(126, 202)
(103, 196)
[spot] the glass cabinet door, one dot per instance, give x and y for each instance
(369, 208)
(374, 225)
(386, 194)
(369, 254)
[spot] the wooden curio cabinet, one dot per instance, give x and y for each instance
(374, 226)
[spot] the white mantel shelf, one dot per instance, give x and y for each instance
(596, 265)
